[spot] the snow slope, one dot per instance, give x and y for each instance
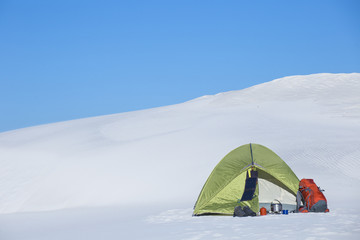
(138, 174)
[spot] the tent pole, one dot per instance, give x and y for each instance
(252, 159)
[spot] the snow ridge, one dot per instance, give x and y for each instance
(166, 153)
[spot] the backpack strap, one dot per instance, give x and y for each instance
(299, 201)
(308, 198)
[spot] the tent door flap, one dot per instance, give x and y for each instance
(250, 185)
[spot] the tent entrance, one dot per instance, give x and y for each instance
(268, 192)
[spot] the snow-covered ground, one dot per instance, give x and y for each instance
(137, 175)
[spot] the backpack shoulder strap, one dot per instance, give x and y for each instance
(299, 201)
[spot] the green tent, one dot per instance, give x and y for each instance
(230, 183)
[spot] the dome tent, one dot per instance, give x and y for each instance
(250, 175)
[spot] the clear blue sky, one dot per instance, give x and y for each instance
(62, 60)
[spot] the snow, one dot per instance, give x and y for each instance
(137, 175)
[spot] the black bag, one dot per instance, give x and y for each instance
(243, 212)
(248, 211)
(238, 212)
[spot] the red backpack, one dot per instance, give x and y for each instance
(312, 197)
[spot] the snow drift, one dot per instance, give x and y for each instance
(162, 156)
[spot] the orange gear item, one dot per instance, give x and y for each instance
(262, 211)
(315, 200)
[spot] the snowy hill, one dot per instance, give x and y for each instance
(158, 159)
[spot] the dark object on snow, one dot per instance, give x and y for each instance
(312, 197)
(238, 212)
(248, 211)
(243, 212)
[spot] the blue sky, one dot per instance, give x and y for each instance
(63, 60)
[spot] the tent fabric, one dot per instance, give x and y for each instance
(250, 185)
(224, 187)
(269, 191)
